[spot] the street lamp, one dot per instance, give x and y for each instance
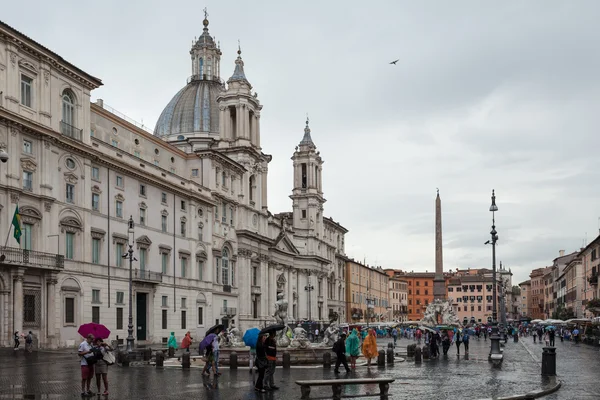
(131, 258)
(495, 353)
(309, 288)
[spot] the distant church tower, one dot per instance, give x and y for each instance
(439, 283)
(307, 194)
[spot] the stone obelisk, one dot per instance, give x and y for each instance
(439, 283)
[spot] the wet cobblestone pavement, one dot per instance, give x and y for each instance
(55, 375)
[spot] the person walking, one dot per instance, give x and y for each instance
(353, 347)
(29, 342)
(369, 347)
(261, 364)
(339, 348)
(17, 342)
(186, 342)
(551, 336)
(101, 366)
(465, 339)
(85, 351)
(251, 358)
(210, 361)
(271, 350)
(172, 343)
(458, 340)
(395, 336)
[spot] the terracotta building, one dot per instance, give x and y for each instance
(367, 293)
(525, 298)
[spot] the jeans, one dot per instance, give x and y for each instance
(395, 339)
(259, 381)
(216, 355)
(269, 380)
(17, 343)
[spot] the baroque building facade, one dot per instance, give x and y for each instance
(207, 249)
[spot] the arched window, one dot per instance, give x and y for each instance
(208, 68)
(225, 267)
(68, 108)
(201, 67)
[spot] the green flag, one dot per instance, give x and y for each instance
(16, 222)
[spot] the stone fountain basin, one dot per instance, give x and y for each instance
(298, 356)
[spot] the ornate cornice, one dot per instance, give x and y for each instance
(244, 253)
(97, 233)
(71, 225)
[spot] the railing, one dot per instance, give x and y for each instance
(593, 280)
(146, 276)
(227, 288)
(14, 255)
(123, 116)
(204, 77)
(228, 311)
(70, 131)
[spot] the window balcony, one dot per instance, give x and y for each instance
(143, 276)
(70, 131)
(228, 311)
(593, 280)
(31, 259)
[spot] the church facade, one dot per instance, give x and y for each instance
(206, 247)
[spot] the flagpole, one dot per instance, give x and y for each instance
(8, 235)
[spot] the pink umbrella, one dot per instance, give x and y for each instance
(98, 330)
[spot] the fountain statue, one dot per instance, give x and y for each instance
(332, 332)
(281, 306)
(439, 308)
(300, 339)
(234, 337)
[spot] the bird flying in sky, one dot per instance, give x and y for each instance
(395, 61)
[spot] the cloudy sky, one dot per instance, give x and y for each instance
(501, 95)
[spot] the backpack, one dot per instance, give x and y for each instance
(96, 355)
(465, 338)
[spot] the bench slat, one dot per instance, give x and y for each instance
(331, 382)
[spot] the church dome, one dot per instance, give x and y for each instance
(193, 109)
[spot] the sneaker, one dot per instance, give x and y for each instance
(274, 387)
(260, 390)
(105, 393)
(89, 393)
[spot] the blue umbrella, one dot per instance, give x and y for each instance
(207, 341)
(251, 337)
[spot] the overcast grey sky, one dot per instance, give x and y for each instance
(486, 95)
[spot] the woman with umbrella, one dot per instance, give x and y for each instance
(369, 347)
(261, 363)
(250, 339)
(207, 345)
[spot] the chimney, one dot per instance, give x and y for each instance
(562, 253)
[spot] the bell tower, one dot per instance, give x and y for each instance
(307, 194)
(240, 110)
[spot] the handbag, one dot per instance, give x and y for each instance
(109, 358)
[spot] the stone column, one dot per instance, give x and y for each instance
(51, 311)
(18, 300)
(290, 293)
(223, 122)
(238, 122)
(263, 200)
(257, 130)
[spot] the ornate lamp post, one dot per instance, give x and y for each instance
(495, 353)
(131, 258)
(309, 288)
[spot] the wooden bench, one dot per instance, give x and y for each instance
(336, 385)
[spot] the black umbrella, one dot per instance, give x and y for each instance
(215, 329)
(272, 328)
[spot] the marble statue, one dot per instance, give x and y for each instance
(300, 338)
(439, 308)
(332, 332)
(281, 306)
(234, 337)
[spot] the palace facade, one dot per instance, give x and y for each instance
(206, 247)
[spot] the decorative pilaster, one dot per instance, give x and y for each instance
(18, 300)
(51, 282)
